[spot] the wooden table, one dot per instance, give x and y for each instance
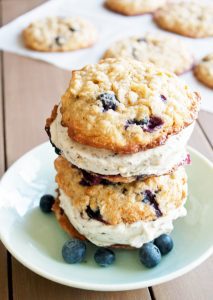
(29, 90)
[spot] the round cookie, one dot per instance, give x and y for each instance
(204, 70)
(125, 106)
(145, 200)
(134, 7)
(160, 50)
(189, 18)
(55, 34)
(119, 214)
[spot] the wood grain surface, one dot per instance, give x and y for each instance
(30, 88)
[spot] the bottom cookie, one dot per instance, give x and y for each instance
(68, 227)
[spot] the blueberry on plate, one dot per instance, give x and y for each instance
(74, 251)
(149, 255)
(46, 203)
(104, 257)
(165, 243)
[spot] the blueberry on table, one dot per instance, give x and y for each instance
(149, 255)
(104, 257)
(165, 243)
(74, 251)
(46, 203)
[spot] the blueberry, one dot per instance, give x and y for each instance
(90, 179)
(165, 243)
(109, 101)
(139, 40)
(46, 203)
(146, 124)
(150, 198)
(72, 29)
(74, 251)
(163, 98)
(59, 40)
(149, 255)
(104, 257)
(153, 124)
(96, 215)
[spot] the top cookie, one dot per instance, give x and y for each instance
(204, 70)
(187, 18)
(59, 34)
(125, 106)
(134, 7)
(161, 50)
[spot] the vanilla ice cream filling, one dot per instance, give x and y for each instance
(157, 161)
(135, 234)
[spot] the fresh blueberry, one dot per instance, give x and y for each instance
(104, 257)
(46, 203)
(149, 255)
(165, 243)
(109, 101)
(74, 251)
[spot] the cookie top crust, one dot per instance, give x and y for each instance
(158, 49)
(54, 34)
(204, 70)
(125, 106)
(112, 204)
(189, 18)
(134, 7)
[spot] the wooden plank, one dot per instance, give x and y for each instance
(206, 122)
(35, 88)
(195, 285)
(31, 286)
(3, 252)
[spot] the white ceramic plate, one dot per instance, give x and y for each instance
(35, 239)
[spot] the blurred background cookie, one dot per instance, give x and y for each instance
(134, 7)
(204, 70)
(189, 18)
(59, 34)
(160, 50)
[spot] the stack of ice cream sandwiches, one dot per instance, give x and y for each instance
(120, 132)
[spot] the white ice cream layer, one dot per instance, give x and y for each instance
(157, 161)
(135, 234)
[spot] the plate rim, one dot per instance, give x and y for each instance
(100, 286)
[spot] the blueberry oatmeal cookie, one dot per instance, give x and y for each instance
(128, 214)
(189, 18)
(204, 70)
(134, 7)
(125, 106)
(160, 50)
(59, 34)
